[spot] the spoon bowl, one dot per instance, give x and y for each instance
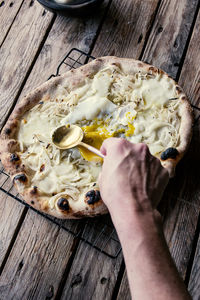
(69, 136)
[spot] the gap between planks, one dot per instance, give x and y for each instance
(187, 43)
(91, 50)
(29, 70)
(7, 32)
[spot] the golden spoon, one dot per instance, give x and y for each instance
(69, 136)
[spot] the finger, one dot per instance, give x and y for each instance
(99, 178)
(114, 145)
(107, 144)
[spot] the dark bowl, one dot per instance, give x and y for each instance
(74, 9)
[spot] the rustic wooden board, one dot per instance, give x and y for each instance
(124, 291)
(190, 74)
(37, 261)
(194, 283)
(65, 34)
(8, 12)
(93, 275)
(190, 70)
(181, 217)
(185, 188)
(19, 50)
(125, 28)
(12, 211)
(169, 34)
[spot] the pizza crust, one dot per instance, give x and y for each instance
(9, 145)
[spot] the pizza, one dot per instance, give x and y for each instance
(108, 97)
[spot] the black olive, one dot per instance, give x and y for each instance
(169, 153)
(63, 204)
(21, 177)
(7, 131)
(93, 195)
(14, 157)
(34, 190)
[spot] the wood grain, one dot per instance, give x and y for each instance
(9, 210)
(182, 194)
(124, 291)
(190, 70)
(194, 283)
(37, 261)
(19, 49)
(169, 34)
(8, 12)
(125, 28)
(65, 34)
(190, 74)
(184, 190)
(92, 276)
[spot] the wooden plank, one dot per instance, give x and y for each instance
(190, 70)
(37, 261)
(125, 28)
(182, 194)
(185, 186)
(8, 12)
(9, 210)
(93, 275)
(17, 54)
(124, 291)
(65, 34)
(169, 34)
(194, 283)
(190, 74)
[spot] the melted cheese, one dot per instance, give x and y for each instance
(90, 109)
(137, 107)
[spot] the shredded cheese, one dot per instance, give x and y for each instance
(137, 107)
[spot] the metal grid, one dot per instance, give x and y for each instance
(98, 232)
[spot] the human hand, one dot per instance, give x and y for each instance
(132, 180)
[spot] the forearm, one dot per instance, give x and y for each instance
(151, 271)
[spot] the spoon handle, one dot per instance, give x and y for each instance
(92, 149)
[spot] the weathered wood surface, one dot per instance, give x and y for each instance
(93, 275)
(181, 217)
(8, 12)
(125, 29)
(45, 262)
(37, 261)
(194, 283)
(191, 74)
(19, 50)
(185, 188)
(66, 33)
(169, 34)
(10, 214)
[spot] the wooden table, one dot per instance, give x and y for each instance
(45, 258)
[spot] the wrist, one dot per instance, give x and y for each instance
(137, 225)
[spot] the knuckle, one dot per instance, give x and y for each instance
(143, 148)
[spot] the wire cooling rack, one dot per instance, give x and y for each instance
(97, 232)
